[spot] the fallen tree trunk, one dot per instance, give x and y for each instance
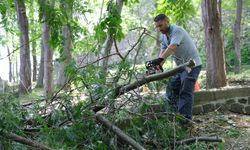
(196, 139)
(25, 141)
(154, 77)
(119, 132)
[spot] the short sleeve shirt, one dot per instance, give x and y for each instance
(185, 47)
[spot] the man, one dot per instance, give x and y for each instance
(177, 42)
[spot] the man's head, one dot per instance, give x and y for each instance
(162, 23)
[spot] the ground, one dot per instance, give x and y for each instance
(233, 128)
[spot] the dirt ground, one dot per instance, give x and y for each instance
(233, 128)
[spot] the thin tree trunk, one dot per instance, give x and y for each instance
(34, 61)
(216, 73)
(25, 70)
(67, 36)
(41, 68)
(17, 73)
(10, 65)
(48, 56)
(237, 36)
(109, 41)
(33, 45)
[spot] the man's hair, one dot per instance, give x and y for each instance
(160, 17)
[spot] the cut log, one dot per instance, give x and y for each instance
(119, 132)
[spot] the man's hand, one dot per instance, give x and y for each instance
(157, 62)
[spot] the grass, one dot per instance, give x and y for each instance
(37, 93)
(244, 75)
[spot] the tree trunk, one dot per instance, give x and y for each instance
(67, 37)
(10, 65)
(34, 61)
(216, 73)
(48, 55)
(25, 70)
(109, 41)
(237, 36)
(41, 68)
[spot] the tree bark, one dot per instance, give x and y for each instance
(237, 45)
(41, 68)
(109, 41)
(216, 73)
(48, 55)
(25, 70)
(67, 37)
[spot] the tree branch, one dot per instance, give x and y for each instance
(139, 39)
(196, 139)
(117, 50)
(119, 132)
(26, 141)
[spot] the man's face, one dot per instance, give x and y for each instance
(162, 26)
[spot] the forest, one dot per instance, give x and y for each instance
(92, 74)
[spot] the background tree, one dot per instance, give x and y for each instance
(216, 74)
(48, 52)
(237, 31)
(67, 8)
(25, 70)
(41, 68)
(114, 11)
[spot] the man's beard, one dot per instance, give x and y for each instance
(164, 31)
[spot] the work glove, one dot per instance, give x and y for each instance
(157, 62)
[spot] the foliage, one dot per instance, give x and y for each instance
(178, 11)
(111, 24)
(10, 114)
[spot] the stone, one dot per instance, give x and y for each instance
(247, 110)
(197, 110)
(208, 108)
(249, 100)
(242, 100)
(238, 108)
(230, 101)
(220, 107)
(203, 97)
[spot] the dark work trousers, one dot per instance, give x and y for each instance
(180, 91)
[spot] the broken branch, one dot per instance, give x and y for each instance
(26, 141)
(119, 132)
(196, 139)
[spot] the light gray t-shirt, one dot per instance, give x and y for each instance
(186, 48)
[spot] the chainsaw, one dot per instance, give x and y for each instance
(152, 68)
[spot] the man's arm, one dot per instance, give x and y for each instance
(169, 51)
